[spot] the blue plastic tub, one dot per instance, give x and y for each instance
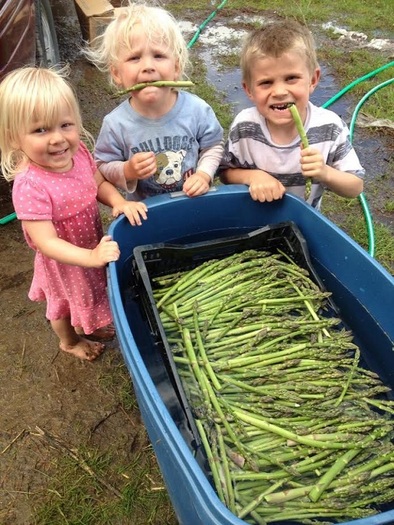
(361, 288)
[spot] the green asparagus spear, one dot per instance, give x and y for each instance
(304, 142)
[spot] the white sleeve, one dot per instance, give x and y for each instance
(114, 173)
(209, 159)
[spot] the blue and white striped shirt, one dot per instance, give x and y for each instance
(249, 146)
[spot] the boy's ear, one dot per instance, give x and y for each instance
(315, 79)
(247, 90)
(115, 76)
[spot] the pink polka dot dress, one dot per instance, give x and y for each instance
(69, 201)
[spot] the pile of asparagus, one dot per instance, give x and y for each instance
(294, 429)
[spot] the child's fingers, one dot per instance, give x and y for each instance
(134, 211)
(134, 215)
(106, 251)
(195, 185)
(143, 214)
(112, 252)
(106, 238)
(142, 209)
(143, 164)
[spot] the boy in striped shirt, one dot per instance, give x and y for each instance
(263, 150)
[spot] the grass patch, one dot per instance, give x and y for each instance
(353, 14)
(389, 207)
(75, 497)
(118, 385)
(348, 214)
(228, 61)
(224, 111)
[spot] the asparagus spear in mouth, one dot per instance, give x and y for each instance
(157, 83)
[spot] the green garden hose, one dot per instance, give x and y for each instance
(8, 218)
(355, 83)
(362, 198)
(364, 204)
(206, 21)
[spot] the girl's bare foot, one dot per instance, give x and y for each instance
(84, 349)
(105, 333)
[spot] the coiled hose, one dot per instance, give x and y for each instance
(362, 198)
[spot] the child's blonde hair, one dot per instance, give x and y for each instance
(275, 39)
(159, 26)
(30, 94)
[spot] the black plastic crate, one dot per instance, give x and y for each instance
(153, 260)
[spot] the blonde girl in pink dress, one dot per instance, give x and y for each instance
(56, 189)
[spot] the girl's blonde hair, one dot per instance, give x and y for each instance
(159, 26)
(275, 39)
(30, 94)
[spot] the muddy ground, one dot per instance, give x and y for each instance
(51, 403)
